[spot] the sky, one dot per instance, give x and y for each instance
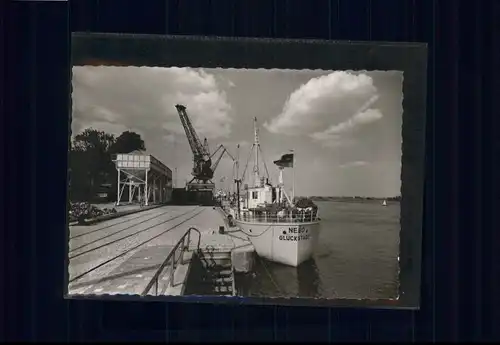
(343, 126)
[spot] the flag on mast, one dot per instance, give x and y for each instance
(286, 161)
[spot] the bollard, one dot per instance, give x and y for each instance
(230, 220)
(81, 220)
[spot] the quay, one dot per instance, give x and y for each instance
(164, 250)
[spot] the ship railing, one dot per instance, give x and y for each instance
(172, 261)
(290, 217)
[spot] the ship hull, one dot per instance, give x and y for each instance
(286, 243)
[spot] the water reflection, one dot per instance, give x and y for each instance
(271, 279)
(356, 257)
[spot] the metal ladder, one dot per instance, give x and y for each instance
(219, 278)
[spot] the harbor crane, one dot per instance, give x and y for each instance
(204, 164)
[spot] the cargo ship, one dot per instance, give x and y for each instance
(282, 228)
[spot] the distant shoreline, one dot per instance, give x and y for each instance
(352, 199)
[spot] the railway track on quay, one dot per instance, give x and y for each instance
(120, 220)
(123, 230)
(191, 214)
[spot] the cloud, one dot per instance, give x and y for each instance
(339, 102)
(174, 127)
(169, 138)
(108, 127)
(143, 99)
(354, 164)
(332, 140)
(334, 135)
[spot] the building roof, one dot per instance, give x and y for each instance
(155, 162)
(139, 152)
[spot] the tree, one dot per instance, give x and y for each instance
(91, 163)
(89, 158)
(128, 142)
(92, 139)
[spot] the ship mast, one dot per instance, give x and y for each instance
(257, 152)
(256, 145)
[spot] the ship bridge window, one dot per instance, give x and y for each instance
(255, 195)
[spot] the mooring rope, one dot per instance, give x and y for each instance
(252, 235)
(270, 275)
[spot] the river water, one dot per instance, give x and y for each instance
(357, 257)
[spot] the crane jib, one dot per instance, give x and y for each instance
(203, 169)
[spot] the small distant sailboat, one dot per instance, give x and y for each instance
(384, 203)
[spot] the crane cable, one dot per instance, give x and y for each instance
(264, 161)
(246, 164)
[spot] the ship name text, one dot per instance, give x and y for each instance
(295, 233)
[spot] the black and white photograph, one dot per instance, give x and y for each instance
(266, 183)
